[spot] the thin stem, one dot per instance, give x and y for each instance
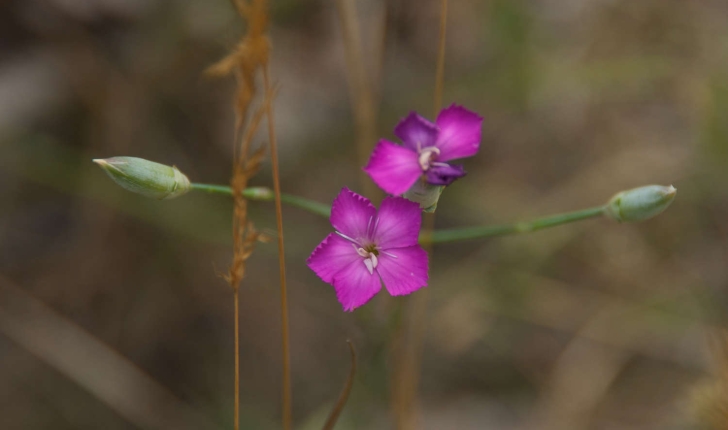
(427, 236)
(344, 396)
(360, 88)
(409, 359)
(237, 358)
(440, 71)
(281, 257)
(267, 195)
(455, 234)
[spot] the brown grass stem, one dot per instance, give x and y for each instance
(286, 356)
(409, 358)
(440, 70)
(360, 89)
(344, 396)
(243, 62)
(236, 299)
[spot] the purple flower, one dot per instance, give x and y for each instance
(371, 247)
(426, 149)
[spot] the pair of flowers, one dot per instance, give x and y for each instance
(369, 246)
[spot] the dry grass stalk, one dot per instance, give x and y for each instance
(344, 396)
(361, 91)
(408, 356)
(248, 57)
(285, 338)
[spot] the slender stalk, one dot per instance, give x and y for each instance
(267, 195)
(281, 257)
(428, 235)
(360, 88)
(455, 234)
(440, 71)
(237, 358)
(409, 360)
(344, 396)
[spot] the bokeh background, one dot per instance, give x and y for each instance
(113, 314)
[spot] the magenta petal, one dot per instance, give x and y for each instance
(416, 132)
(350, 214)
(404, 271)
(460, 133)
(398, 223)
(331, 256)
(355, 286)
(444, 174)
(394, 168)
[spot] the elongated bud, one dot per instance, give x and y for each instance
(640, 203)
(145, 177)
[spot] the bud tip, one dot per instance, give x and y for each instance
(640, 203)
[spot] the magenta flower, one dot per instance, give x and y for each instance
(426, 149)
(371, 247)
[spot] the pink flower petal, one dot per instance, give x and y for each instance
(331, 256)
(355, 286)
(404, 273)
(398, 223)
(460, 133)
(350, 214)
(444, 175)
(416, 132)
(393, 168)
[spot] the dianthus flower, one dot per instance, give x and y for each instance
(369, 248)
(426, 149)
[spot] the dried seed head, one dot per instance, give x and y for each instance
(145, 177)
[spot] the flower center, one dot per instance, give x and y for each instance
(428, 156)
(370, 257)
(365, 246)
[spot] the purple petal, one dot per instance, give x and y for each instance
(355, 286)
(460, 133)
(405, 271)
(416, 132)
(394, 168)
(444, 174)
(331, 256)
(398, 223)
(350, 214)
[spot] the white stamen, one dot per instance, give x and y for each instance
(347, 238)
(370, 223)
(387, 253)
(376, 224)
(370, 259)
(427, 156)
(370, 265)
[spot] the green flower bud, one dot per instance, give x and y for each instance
(425, 194)
(145, 177)
(640, 203)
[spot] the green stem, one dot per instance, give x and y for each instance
(266, 195)
(450, 235)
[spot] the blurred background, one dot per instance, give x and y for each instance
(113, 314)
